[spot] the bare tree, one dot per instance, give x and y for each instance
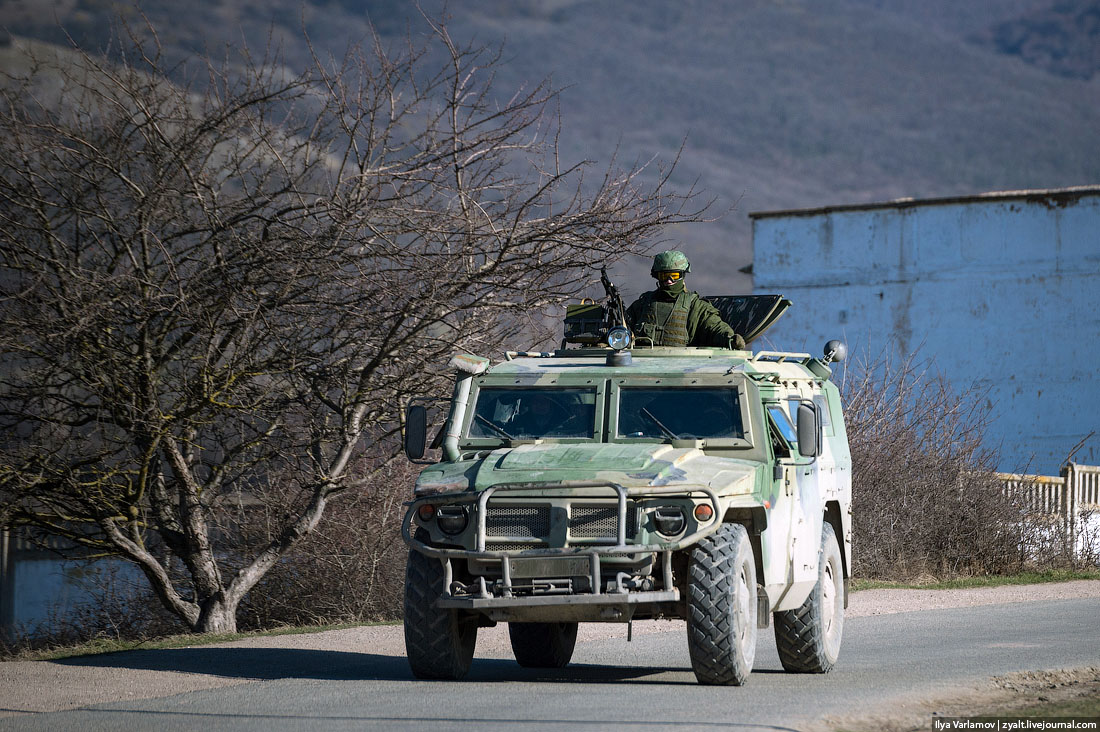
(230, 280)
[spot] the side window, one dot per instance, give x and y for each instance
(784, 435)
(823, 413)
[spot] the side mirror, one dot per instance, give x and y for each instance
(807, 430)
(416, 431)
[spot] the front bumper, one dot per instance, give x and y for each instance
(503, 604)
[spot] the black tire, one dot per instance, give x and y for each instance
(543, 645)
(809, 636)
(439, 643)
(721, 603)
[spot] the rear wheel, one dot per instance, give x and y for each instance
(543, 645)
(721, 601)
(439, 642)
(808, 637)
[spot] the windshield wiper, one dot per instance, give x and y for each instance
(499, 430)
(668, 433)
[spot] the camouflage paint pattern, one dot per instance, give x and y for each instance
(759, 479)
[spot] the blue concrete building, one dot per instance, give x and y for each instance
(998, 289)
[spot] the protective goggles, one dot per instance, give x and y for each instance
(674, 275)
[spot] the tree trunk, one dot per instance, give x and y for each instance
(218, 616)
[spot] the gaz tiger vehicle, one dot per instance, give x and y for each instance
(608, 482)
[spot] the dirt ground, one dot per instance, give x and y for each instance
(999, 695)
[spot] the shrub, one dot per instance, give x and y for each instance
(350, 569)
(925, 497)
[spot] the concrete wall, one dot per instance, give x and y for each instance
(999, 289)
(40, 593)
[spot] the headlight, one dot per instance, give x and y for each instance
(618, 337)
(451, 519)
(669, 520)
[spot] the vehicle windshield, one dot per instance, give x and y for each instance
(534, 413)
(680, 413)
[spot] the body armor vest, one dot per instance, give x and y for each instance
(667, 322)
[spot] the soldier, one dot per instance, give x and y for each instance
(673, 316)
(543, 416)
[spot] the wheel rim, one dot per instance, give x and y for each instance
(829, 597)
(743, 610)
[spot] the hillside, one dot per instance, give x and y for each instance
(778, 104)
(1060, 36)
(1063, 39)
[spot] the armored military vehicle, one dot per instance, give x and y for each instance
(610, 482)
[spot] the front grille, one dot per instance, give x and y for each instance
(601, 521)
(518, 521)
(511, 546)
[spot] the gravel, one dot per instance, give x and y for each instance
(885, 602)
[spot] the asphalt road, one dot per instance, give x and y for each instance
(886, 661)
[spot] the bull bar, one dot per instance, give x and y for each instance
(618, 596)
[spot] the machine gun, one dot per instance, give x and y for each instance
(589, 322)
(614, 310)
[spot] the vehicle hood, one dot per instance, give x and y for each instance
(646, 464)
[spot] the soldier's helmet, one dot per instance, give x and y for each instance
(670, 261)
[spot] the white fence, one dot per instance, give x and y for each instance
(1075, 489)
(1073, 497)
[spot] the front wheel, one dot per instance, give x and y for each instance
(721, 602)
(808, 637)
(543, 645)
(439, 642)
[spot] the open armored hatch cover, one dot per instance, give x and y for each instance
(749, 315)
